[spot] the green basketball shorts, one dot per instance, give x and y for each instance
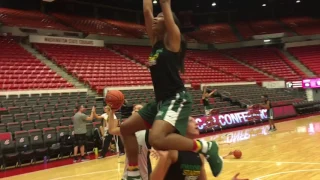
(175, 110)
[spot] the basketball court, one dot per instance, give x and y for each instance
(290, 153)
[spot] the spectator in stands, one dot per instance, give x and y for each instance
(205, 99)
(80, 130)
(267, 105)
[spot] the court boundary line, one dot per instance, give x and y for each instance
(285, 172)
(61, 166)
(77, 175)
(284, 162)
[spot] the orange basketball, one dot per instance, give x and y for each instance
(115, 99)
(237, 154)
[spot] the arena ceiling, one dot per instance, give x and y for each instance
(212, 5)
(222, 10)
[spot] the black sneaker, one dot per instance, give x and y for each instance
(75, 160)
(83, 159)
(101, 157)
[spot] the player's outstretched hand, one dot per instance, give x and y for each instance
(158, 154)
(236, 177)
(154, 154)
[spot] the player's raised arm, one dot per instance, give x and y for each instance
(164, 162)
(148, 18)
(114, 129)
(203, 175)
(173, 31)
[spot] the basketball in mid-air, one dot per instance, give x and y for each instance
(115, 99)
(237, 154)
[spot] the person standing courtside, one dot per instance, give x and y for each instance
(267, 105)
(107, 138)
(80, 130)
(205, 99)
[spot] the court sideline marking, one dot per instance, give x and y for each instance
(277, 162)
(236, 161)
(285, 172)
(77, 175)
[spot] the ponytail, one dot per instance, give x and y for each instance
(183, 50)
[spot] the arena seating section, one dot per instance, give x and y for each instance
(195, 72)
(303, 25)
(240, 94)
(212, 33)
(217, 33)
(92, 26)
(309, 56)
(96, 66)
(145, 96)
(268, 60)
(20, 70)
(216, 60)
(47, 116)
(34, 19)
(137, 30)
(249, 29)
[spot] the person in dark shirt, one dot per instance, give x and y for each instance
(168, 114)
(205, 99)
(181, 165)
(266, 104)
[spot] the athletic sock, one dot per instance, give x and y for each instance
(196, 146)
(133, 170)
(200, 146)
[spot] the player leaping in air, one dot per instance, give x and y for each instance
(169, 113)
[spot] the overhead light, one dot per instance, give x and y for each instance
(266, 40)
(214, 4)
(264, 5)
(155, 2)
(298, 1)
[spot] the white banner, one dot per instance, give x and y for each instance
(273, 84)
(65, 40)
(294, 84)
(269, 36)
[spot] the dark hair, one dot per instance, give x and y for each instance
(183, 45)
(78, 107)
(265, 96)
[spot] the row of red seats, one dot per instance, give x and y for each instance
(268, 60)
(309, 56)
(218, 61)
(20, 70)
(36, 19)
(98, 70)
(212, 33)
(35, 86)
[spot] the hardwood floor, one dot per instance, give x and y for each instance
(291, 153)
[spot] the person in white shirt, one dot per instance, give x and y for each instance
(107, 138)
(144, 146)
